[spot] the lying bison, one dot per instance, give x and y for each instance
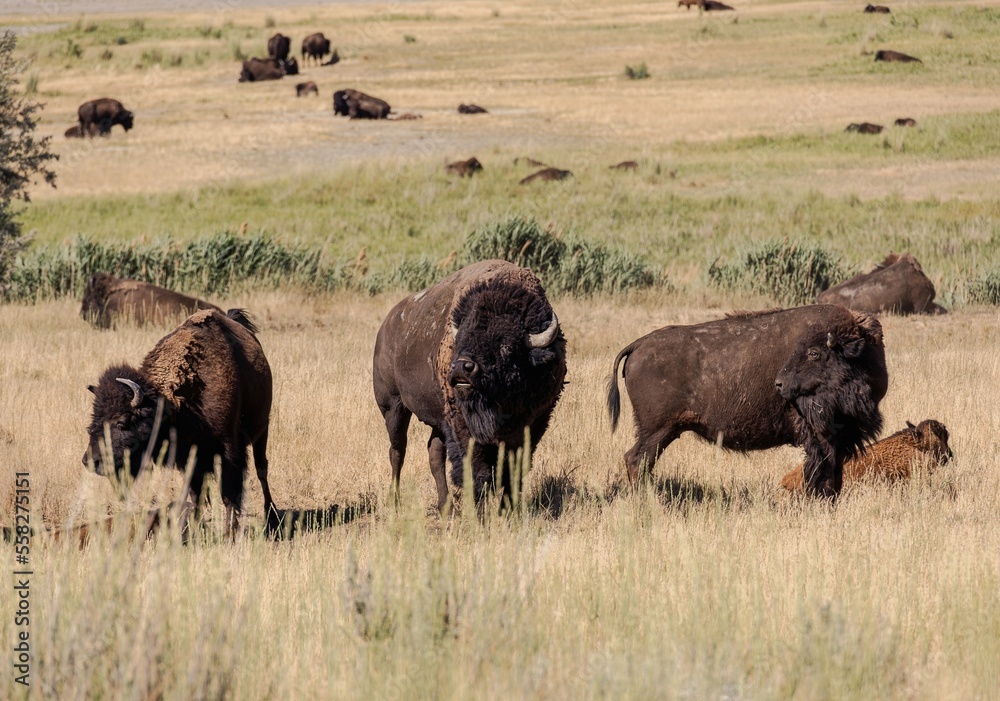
(546, 175)
(256, 70)
(479, 356)
(307, 88)
(109, 300)
(471, 109)
(215, 387)
(315, 46)
(74, 131)
(278, 47)
(897, 284)
(810, 376)
(465, 169)
(892, 458)
(713, 6)
(880, 9)
(103, 114)
(357, 105)
(895, 56)
(905, 122)
(865, 128)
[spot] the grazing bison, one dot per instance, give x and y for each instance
(895, 56)
(881, 9)
(256, 70)
(315, 46)
(712, 5)
(471, 109)
(358, 105)
(810, 376)
(215, 384)
(624, 165)
(897, 284)
(74, 131)
(891, 458)
(479, 355)
(103, 114)
(865, 128)
(547, 174)
(109, 300)
(465, 169)
(278, 47)
(307, 88)
(905, 122)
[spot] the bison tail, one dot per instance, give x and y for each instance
(614, 395)
(241, 317)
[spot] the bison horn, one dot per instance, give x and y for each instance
(453, 329)
(830, 341)
(546, 337)
(136, 391)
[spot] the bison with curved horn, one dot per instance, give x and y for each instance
(480, 356)
(204, 386)
(810, 376)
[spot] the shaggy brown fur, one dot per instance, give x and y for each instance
(891, 458)
(109, 300)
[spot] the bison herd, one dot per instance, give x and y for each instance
(480, 358)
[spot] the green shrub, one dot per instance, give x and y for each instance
(791, 273)
(985, 289)
(518, 240)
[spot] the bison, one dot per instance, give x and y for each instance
(624, 165)
(307, 88)
(315, 46)
(865, 128)
(892, 458)
(905, 122)
(480, 356)
(471, 109)
(880, 9)
(547, 175)
(357, 105)
(465, 169)
(713, 6)
(895, 56)
(810, 376)
(74, 131)
(204, 386)
(687, 4)
(109, 300)
(103, 113)
(897, 284)
(278, 46)
(256, 70)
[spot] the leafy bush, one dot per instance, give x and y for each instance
(519, 240)
(986, 289)
(791, 273)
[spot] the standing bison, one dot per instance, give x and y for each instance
(215, 386)
(278, 46)
(357, 105)
(810, 376)
(315, 46)
(109, 300)
(897, 284)
(103, 114)
(479, 356)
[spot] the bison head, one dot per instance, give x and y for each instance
(126, 403)
(508, 352)
(340, 103)
(932, 438)
(289, 67)
(126, 120)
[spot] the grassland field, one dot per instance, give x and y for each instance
(705, 581)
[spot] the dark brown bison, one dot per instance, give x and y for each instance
(547, 175)
(471, 109)
(465, 169)
(895, 56)
(905, 122)
(307, 88)
(315, 46)
(74, 131)
(256, 70)
(865, 128)
(810, 376)
(881, 9)
(278, 46)
(215, 387)
(897, 284)
(713, 6)
(109, 300)
(688, 4)
(103, 113)
(357, 105)
(892, 458)
(479, 356)
(624, 165)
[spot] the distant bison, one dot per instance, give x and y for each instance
(713, 6)
(278, 46)
(465, 168)
(408, 116)
(357, 105)
(905, 122)
(109, 300)
(103, 113)
(74, 131)
(471, 109)
(882, 9)
(624, 165)
(315, 46)
(687, 4)
(479, 356)
(892, 458)
(897, 284)
(810, 376)
(307, 88)
(215, 385)
(256, 70)
(865, 128)
(547, 174)
(895, 56)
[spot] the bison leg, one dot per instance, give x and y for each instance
(438, 456)
(234, 467)
(642, 456)
(397, 421)
(260, 463)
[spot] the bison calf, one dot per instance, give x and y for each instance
(897, 284)
(109, 300)
(206, 386)
(891, 458)
(307, 88)
(810, 376)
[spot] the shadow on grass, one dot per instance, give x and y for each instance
(285, 524)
